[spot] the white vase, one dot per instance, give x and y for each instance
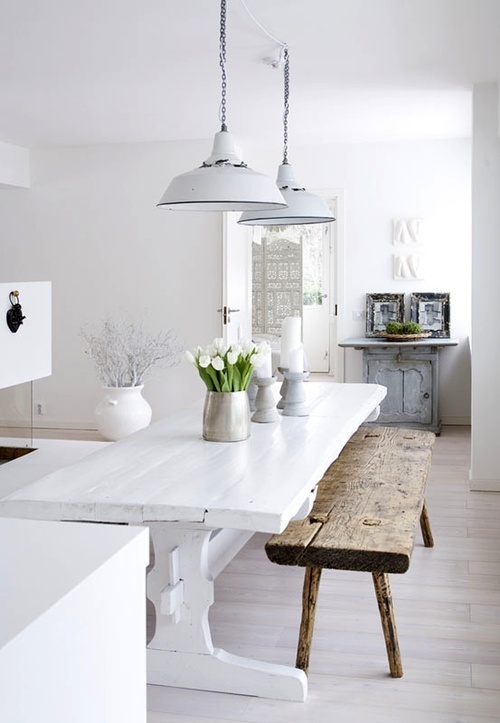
(122, 411)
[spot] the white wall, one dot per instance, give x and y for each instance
(485, 463)
(89, 224)
(383, 181)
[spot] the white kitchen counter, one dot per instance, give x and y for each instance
(72, 630)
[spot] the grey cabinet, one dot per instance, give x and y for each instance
(412, 385)
(410, 371)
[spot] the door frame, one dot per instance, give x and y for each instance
(236, 296)
(335, 198)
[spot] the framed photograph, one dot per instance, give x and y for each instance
(382, 308)
(432, 312)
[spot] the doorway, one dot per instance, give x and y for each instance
(291, 277)
(290, 271)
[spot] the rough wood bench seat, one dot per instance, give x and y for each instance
(365, 515)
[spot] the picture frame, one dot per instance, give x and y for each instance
(382, 308)
(432, 312)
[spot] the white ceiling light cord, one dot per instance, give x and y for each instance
(282, 61)
(302, 207)
(269, 35)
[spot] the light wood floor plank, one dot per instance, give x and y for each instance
(485, 614)
(486, 676)
(409, 702)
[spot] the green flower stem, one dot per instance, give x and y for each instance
(206, 379)
(214, 376)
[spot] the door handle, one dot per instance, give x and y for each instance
(226, 312)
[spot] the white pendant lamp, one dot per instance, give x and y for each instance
(302, 207)
(223, 182)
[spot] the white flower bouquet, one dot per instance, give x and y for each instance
(123, 354)
(228, 368)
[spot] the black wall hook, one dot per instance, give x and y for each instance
(15, 314)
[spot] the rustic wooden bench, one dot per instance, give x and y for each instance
(365, 515)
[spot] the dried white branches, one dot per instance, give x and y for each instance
(124, 354)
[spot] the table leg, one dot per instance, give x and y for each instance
(180, 586)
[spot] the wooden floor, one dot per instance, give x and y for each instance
(447, 610)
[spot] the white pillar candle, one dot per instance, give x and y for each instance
(267, 367)
(265, 370)
(296, 360)
(290, 338)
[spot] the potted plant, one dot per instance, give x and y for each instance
(124, 355)
(226, 371)
(403, 331)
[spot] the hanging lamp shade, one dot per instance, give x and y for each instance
(222, 183)
(302, 207)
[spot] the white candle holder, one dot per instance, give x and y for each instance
(252, 393)
(265, 409)
(295, 395)
(283, 388)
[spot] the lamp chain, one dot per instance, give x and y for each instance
(286, 75)
(222, 64)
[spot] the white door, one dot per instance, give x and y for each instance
(236, 310)
(323, 321)
(317, 295)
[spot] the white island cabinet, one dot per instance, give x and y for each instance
(202, 501)
(72, 633)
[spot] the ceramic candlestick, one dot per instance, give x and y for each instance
(283, 388)
(295, 395)
(265, 408)
(252, 393)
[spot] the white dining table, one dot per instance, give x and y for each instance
(202, 501)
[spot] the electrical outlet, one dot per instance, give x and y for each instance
(358, 315)
(39, 408)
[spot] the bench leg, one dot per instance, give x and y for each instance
(384, 600)
(425, 526)
(310, 590)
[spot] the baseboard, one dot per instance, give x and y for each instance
(46, 424)
(52, 431)
(484, 485)
(457, 421)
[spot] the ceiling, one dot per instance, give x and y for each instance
(105, 71)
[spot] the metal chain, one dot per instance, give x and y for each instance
(286, 75)
(222, 64)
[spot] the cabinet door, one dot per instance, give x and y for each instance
(409, 389)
